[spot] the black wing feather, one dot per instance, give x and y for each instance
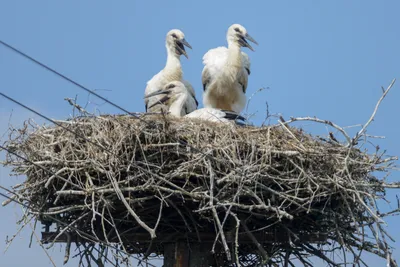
(233, 116)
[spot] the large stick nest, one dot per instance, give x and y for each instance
(263, 194)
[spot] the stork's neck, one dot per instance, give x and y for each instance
(173, 65)
(177, 107)
(234, 54)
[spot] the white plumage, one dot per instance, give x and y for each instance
(175, 42)
(176, 98)
(216, 115)
(180, 102)
(226, 70)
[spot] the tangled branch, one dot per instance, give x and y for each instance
(256, 195)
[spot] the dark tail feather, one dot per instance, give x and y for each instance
(240, 120)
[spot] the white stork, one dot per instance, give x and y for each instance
(226, 71)
(176, 98)
(217, 115)
(180, 102)
(175, 42)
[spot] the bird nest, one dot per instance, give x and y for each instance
(251, 195)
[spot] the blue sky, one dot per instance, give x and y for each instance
(318, 58)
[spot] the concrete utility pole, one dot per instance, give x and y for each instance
(179, 254)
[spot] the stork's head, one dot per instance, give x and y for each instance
(175, 96)
(176, 42)
(171, 91)
(238, 34)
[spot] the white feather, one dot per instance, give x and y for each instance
(210, 114)
(171, 72)
(226, 70)
(179, 100)
(225, 84)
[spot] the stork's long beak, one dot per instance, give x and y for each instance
(160, 101)
(157, 93)
(181, 48)
(183, 41)
(244, 43)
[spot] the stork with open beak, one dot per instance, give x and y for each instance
(175, 98)
(181, 103)
(175, 44)
(226, 70)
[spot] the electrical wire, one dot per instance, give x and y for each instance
(180, 141)
(87, 236)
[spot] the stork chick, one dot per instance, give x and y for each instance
(217, 115)
(175, 44)
(181, 103)
(226, 70)
(176, 98)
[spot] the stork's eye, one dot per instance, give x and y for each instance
(174, 35)
(170, 86)
(237, 29)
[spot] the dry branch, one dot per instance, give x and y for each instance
(262, 194)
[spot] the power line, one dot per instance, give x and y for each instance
(14, 200)
(180, 141)
(33, 163)
(84, 138)
(89, 237)
(53, 121)
(64, 77)
(82, 233)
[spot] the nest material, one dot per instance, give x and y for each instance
(262, 194)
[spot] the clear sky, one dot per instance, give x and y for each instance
(318, 58)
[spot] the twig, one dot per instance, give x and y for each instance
(260, 248)
(326, 122)
(137, 218)
(215, 215)
(364, 128)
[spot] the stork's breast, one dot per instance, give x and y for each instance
(226, 83)
(173, 75)
(224, 98)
